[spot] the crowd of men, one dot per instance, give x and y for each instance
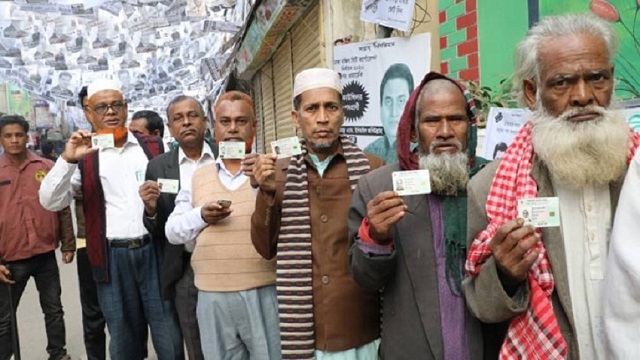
(315, 256)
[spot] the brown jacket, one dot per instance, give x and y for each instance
(346, 315)
(26, 228)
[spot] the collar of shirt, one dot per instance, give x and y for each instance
(220, 166)
(206, 151)
(31, 157)
(313, 159)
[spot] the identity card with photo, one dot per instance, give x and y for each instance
(169, 186)
(286, 147)
(414, 182)
(101, 141)
(231, 149)
(540, 212)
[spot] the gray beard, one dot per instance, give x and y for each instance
(448, 172)
(582, 154)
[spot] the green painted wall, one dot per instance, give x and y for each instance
(501, 24)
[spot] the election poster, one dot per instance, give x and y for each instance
(397, 14)
(503, 125)
(377, 79)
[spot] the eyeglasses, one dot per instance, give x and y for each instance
(104, 108)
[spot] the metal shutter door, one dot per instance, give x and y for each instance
(268, 118)
(283, 83)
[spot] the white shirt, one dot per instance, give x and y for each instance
(121, 174)
(189, 166)
(622, 283)
(185, 222)
(586, 225)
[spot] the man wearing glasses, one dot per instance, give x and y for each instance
(124, 260)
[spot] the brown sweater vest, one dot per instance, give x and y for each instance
(224, 258)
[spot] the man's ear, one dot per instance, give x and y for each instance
(530, 89)
(294, 119)
(414, 134)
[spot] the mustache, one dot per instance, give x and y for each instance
(437, 143)
(589, 109)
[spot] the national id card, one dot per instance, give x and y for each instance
(540, 212)
(413, 182)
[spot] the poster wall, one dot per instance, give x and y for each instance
(373, 103)
(503, 125)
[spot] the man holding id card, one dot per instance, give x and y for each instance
(165, 176)
(118, 244)
(300, 215)
(236, 307)
(407, 228)
(539, 219)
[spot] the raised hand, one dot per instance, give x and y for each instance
(78, 146)
(513, 250)
(149, 193)
(248, 164)
(264, 171)
(383, 211)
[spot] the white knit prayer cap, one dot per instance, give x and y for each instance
(102, 84)
(316, 78)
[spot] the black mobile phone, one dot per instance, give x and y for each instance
(224, 203)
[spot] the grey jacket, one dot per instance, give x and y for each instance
(486, 297)
(411, 311)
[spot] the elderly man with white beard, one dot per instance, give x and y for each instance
(546, 283)
(413, 247)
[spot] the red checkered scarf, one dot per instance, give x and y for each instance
(534, 334)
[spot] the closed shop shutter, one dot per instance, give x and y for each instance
(257, 104)
(300, 49)
(306, 44)
(283, 84)
(268, 112)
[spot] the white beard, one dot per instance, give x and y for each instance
(448, 172)
(583, 153)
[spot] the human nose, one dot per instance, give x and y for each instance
(397, 108)
(444, 130)
(582, 94)
(323, 115)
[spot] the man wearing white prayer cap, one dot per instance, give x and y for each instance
(107, 168)
(301, 216)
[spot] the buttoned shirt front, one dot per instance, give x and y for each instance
(586, 225)
(26, 228)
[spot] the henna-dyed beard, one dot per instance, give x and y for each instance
(119, 134)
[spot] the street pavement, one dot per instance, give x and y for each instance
(33, 340)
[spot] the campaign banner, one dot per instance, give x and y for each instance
(377, 79)
(503, 125)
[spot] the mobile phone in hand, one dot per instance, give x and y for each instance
(224, 203)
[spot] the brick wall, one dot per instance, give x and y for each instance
(459, 39)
